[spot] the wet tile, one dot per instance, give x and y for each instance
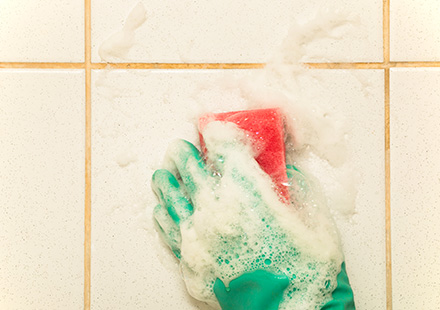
(235, 31)
(415, 187)
(358, 96)
(41, 31)
(135, 116)
(41, 189)
(414, 30)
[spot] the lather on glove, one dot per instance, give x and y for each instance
(239, 245)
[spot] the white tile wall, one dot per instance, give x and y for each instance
(239, 30)
(358, 95)
(41, 31)
(41, 189)
(137, 113)
(415, 187)
(415, 34)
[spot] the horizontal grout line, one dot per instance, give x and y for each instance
(347, 65)
(332, 65)
(178, 65)
(413, 64)
(42, 65)
(375, 65)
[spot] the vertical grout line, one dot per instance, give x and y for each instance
(386, 32)
(386, 60)
(88, 157)
(388, 193)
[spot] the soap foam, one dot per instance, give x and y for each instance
(117, 46)
(240, 225)
(126, 158)
(318, 132)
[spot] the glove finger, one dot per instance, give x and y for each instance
(168, 229)
(185, 158)
(168, 190)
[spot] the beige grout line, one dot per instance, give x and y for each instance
(41, 65)
(388, 65)
(342, 65)
(388, 193)
(333, 65)
(88, 157)
(386, 31)
(414, 64)
(177, 65)
(375, 65)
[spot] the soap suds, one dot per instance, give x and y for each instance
(318, 143)
(117, 46)
(319, 132)
(126, 158)
(318, 147)
(325, 24)
(239, 225)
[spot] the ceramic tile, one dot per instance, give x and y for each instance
(41, 31)
(41, 189)
(359, 95)
(415, 187)
(414, 30)
(135, 116)
(235, 31)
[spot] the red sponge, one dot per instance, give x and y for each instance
(265, 128)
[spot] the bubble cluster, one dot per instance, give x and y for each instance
(267, 247)
(240, 225)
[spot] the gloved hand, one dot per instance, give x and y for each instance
(240, 247)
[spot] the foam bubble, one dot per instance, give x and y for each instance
(240, 225)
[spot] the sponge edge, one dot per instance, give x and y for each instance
(265, 130)
(258, 290)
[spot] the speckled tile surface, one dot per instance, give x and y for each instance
(137, 113)
(358, 95)
(239, 31)
(41, 31)
(41, 189)
(415, 32)
(415, 187)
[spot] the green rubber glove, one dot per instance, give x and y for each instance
(239, 247)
